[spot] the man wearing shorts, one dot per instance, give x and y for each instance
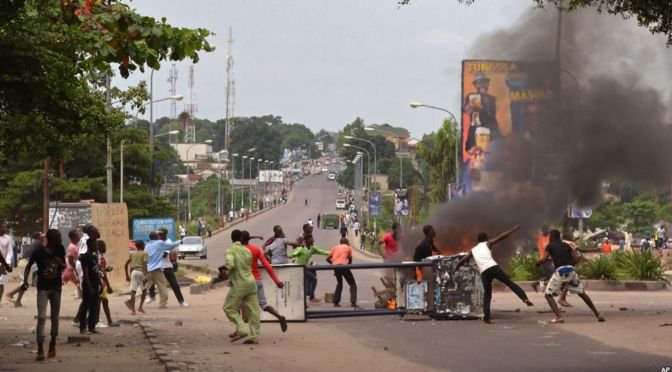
(565, 276)
(257, 256)
(137, 261)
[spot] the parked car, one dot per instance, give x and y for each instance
(340, 204)
(329, 220)
(325, 169)
(331, 177)
(192, 246)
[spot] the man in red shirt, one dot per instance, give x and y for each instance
(391, 242)
(258, 255)
(342, 255)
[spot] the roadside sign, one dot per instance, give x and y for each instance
(143, 226)
(574, 212)
(375, 202)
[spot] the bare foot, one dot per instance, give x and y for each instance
(489, 321)
(130, 306)
(528, 303)
(564, 303)
(141, 310)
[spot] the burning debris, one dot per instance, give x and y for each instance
(603, 118)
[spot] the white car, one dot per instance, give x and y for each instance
(340, 204)
(331, 177)
(325, 169)
(192, 246)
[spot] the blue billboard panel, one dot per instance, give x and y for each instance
(375, 203)
(143, 226)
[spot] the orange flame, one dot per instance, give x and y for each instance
(391, 304)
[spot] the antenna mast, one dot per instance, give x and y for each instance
(230, 93)
(191, 108)
(172, 79)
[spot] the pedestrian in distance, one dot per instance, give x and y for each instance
(355, 228)
(344, 231)
(319, 219)
(183, 231)
(565, 276)
(243, 291)
(50, 261)
(342, 255)
(137, 262)
(490, 270)
(258, 256)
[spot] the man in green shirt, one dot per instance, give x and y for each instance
(243, 291)
(303, 255)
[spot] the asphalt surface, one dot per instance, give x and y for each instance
(522, 341)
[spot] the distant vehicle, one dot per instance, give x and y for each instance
(340, 204)
(329, 220)
(331, 177)
(325, 169)
(326, 162)
(192, 246)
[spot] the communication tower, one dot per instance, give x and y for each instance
(190, 108)
(172, 79)
(230, 93)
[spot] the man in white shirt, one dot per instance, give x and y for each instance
(6, 252)
(490, 270)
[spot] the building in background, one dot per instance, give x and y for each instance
(397, 135)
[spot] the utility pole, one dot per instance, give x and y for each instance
(45, 195)
(121, 171)
(108, 166)
(230, 93)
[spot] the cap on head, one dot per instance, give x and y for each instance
(162, 231)
(480, 76)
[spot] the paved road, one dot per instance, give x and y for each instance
(321, 195)
(629, 340)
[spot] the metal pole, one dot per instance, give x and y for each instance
(242, 177)
(250, 185)
(45, 195)
(233, 177)
(401, 172)
(179, 182)
(151, 131)
(121, 171)
(108, 165)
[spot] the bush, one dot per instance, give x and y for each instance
(525, 268)
(639, 265)
(603, 267)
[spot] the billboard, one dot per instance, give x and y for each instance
(143, 226)
(272, 176)
(375, 202)
(501, 100)
(401, 207)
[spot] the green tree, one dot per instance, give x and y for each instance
(408, 173)
(642, 214)
(437, 153)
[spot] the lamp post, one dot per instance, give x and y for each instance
(250, 184)
(375, 156)
(233, 177)
(401, 164)
(457, 131)
(368, 156)
(189, 180)
(242, 177)
(222, 155)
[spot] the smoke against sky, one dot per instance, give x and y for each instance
(610, 122)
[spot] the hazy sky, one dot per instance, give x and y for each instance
(324, 63)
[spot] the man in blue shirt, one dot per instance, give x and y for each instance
(155, 250)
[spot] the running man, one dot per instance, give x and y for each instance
(276, 247)
(390, 241)
(565, 276)
(257, 256)
(490, 270)
(243, 291)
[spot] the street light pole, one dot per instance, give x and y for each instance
(375, 156)
(457, 131)
(233, 177)
(121, 171)
(189, 181)
(242, 192)
(250, 184)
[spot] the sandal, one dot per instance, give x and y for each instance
(557, 320)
